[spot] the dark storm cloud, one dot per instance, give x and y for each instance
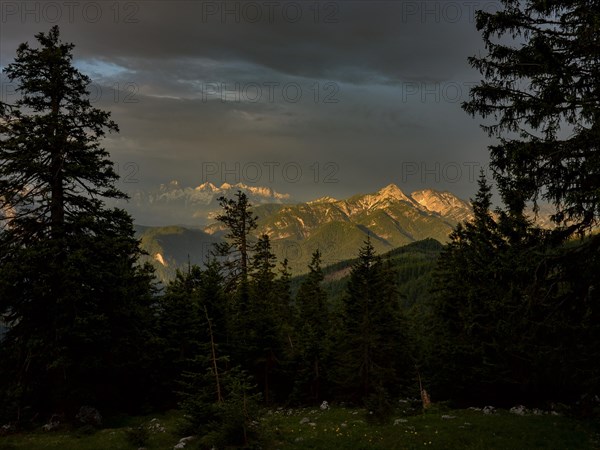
(182, 80)
(347, 40)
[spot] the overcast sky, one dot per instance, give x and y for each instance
(311, 99)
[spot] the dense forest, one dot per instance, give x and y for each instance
(505, 313)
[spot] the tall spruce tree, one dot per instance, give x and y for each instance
(234, 254)
(371, 343)
(285, 318)
(263, 343)
(218, 399)
(510, 313)
(239, 221)
(465, 299)
(181, 331)
(253, 303)
(313, 323)
(541, 89)
(542, 99)
(74, 299)
(284, 307)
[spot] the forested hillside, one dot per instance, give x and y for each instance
(413, 264)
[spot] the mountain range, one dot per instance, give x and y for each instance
(337, 228)
(191, 206)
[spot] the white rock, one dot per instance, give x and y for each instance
(183, 442)
(304, 420)
(489, 410)
(519, 410)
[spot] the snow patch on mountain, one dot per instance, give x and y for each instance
(325, 199)
(208, 186)
(192, 205)
(158, 257)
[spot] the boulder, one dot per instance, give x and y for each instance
(519, 410)
(183, 442)
(489, 410)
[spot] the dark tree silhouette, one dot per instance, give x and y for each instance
(71, 292)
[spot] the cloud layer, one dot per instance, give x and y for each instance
(372, 87)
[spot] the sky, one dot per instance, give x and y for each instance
(308, 98)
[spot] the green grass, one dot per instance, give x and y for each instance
(340, 429)
(346, 428)
(113, 437)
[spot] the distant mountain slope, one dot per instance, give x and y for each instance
(414, 264)
(336, 227)
(191, 206)
(171, 248)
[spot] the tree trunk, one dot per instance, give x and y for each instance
(214, 357)
(57, 200)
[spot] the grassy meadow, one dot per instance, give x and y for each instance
(340, 428)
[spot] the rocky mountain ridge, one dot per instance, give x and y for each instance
(337, 228)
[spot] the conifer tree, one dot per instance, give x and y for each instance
(313, 321)
(239, 222)
(263, 339)
(541, 98)
(540, 90)
(464, 295)
(234, 255)
(284, 308)
(499, 306)
(181, 329)
(371, 342)
(75, 300)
